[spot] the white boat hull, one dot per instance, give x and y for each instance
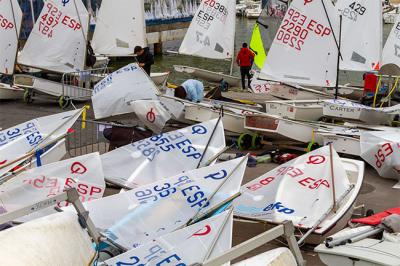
(160, 79)
(200, 113)
(366, 252)
(354, 113)
(342, 144)
(275, 257)
(209, 76)
(278, 128)
(8, 92)
(298, 110)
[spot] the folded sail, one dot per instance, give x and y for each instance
(361, 49)
(113, 95)
(120, 26)
(381, 150)
(10, 25)
(58, 39)
(152, 114)
(168, 154)
(299, 190)
(304, 50)
(189, 245)
(83, 173)
(129, 219)
(20, 140)
(212, 31)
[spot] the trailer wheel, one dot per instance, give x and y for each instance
(256, 142)
(28, 96)
(244, 141)
(64, 102)
(369, 212)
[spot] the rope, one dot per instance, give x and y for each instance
(377, 90)
(391, 91)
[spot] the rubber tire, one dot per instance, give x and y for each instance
(27, 97)
(369, 212)
(256, 142)
(64, 102)
(244, 141)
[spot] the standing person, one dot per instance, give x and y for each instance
(144, 57)
(245, 59)
(191, 89)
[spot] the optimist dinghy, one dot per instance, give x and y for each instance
(9, 33)
(128, 218)
(193, 244)
(57, 44)
(23, 141)
(354, 111)
(275, 196)
(168, 154)
(210, 76)
(308, 110)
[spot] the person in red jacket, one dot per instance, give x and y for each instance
(245, 60)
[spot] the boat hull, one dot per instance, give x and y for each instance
(8, 92)
(209, 76)
(298, 110)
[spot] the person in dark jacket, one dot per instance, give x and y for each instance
(144, 57)
(245, 59)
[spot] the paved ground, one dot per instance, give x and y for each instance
(376, 194)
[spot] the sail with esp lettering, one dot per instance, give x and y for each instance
(149, 160)
(129, 219)
(299, 190)
(58, 39)
(17, 142)
(10, 25)
(83, 173)
(305, 48)
(211, 33)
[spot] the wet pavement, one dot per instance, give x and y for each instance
(376, 194)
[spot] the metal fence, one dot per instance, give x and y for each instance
(79, 85)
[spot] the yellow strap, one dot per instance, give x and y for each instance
(84, 114)
(391, 91)
(377, 90)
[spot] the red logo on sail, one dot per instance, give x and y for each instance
(307, 2)
(78, 168)
(316, 159)
(206, 231)
(151, 116)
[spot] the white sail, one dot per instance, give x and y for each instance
(120, 26)
(361, 49)
(299, 190)
(212, 31)
(10, 25)
(304, 50)
(57, 239)
(192, 244)
(168, 154)
(128, 218)
(58, 39)
(83, 173)
(152, 114)
(20, 140)
(391, 51)
(381, 149)
(113, 94)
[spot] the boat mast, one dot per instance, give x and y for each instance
(32, 13)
